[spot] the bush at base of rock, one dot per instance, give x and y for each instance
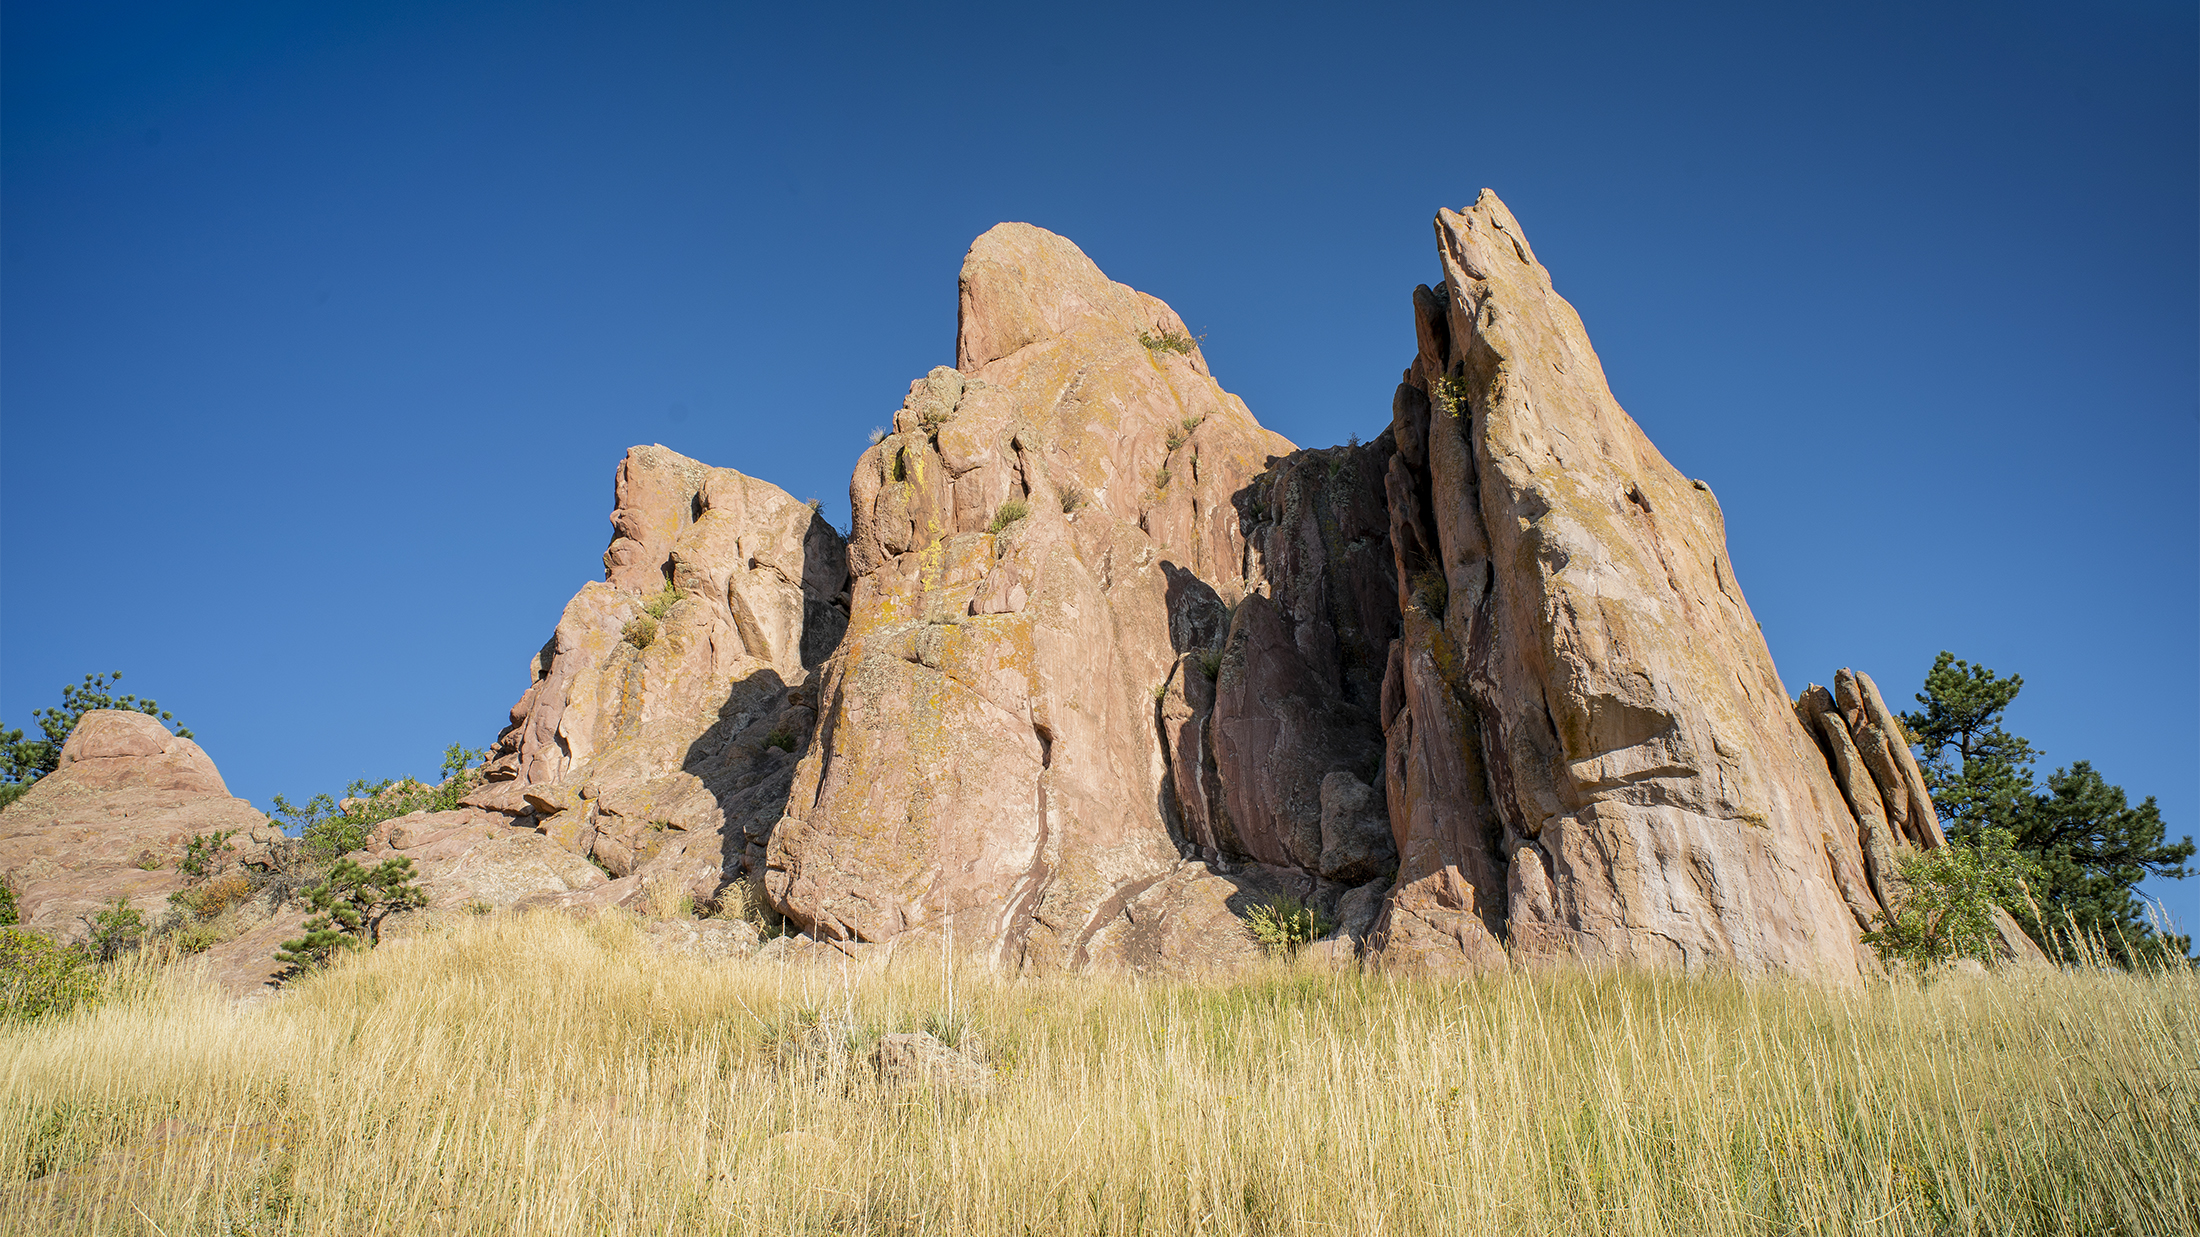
(1945, 911)
(39, 976)
(1283, 924)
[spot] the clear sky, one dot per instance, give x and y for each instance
(322, 326)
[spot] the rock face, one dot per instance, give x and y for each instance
(1103, 664)
(1590, 752)
(1044, 547)
(113, 821)
(661, 730)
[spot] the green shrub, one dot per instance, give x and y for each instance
(39, 977)
(116, 929)
(195, 938)
(327, 828)
(1947, 911)
(349, 905)
(1011, 511)
(1170, 341)
(1449, 394)
(657, 606)
(1177, 438)
(1193, 423)
(1283, 924)
(203, 854)
(11, 910)
(1431, 592)
(781, 738)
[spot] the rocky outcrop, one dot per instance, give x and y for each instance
(1868, 752)
(1590, 752)
(1043, 548)
(113, 821)
(661, 729)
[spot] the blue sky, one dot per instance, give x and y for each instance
(323, 326)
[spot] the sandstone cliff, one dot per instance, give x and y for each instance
(660, 731)
(1050, 532)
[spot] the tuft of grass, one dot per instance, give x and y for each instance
(1210, 662)
(1170, 341)
(1449, 393)
(662, 602)
(543, 1074)
(1284, 924)
(781, 738)
(1176, 438)
(1072, 496)
(1009, 512)
(641, 631)
(1161, 478)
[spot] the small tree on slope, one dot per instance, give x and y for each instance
(349, 905)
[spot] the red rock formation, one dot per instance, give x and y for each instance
(1591, 753)
(1041, 548)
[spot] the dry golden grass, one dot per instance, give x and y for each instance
(540, 1075)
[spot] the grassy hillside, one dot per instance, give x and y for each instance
(541, 1075)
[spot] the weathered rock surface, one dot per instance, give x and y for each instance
(1590, 752)
(660, 733)
(112, 821)
(1050, 530)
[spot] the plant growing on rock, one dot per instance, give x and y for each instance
(1284, 924)
(1170, 341)
(641, 631)
(661, 604)
(327, 828)
(11, 910)
(203, 854)
(1449, 394)
(1009, 512)
(116, 929)
(1072, 497)
(349, 906)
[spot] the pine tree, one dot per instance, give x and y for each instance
(349, 905)
(2091, 847)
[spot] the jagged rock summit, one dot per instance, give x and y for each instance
(1101, 665)
(1051, 527)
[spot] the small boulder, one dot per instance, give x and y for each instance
(1356, 842)
(915, 1059)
